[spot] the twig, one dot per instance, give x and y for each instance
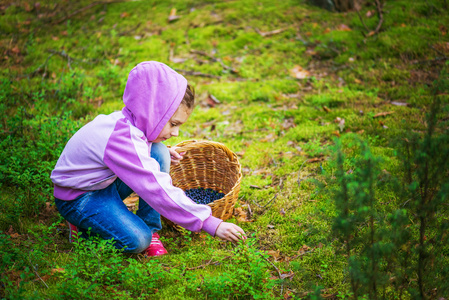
(406, 202)
(299, 173)
(430, 60)
(279, 273)
(438, 51)
(187, 35)
(64, 55)
(258, 205)
(302, 179)
(298, 255)
(201, 266)
(206, 264)
(380, 7)
(194, 73)
(130, 30)
(35, 272)
(272, 199)
(361, 20)
(250, 213)
(86, 8)
(214, 59)
(38, 68)
(269, 33)
(281, 186)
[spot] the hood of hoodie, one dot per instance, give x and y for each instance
(152, 95)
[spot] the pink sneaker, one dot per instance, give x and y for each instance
(156, 248)
(73, 232)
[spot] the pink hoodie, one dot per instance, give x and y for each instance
(118, 145)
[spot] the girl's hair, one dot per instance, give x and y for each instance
(189, 97)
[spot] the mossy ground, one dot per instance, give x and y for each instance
(281, 126)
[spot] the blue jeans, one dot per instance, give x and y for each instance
(104, 212)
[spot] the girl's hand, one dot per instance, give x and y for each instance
(175, 156)
(230, 232)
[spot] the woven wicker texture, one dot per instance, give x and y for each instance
(208, 164)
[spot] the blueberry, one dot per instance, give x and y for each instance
(203, 196)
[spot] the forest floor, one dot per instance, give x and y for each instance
(278, 82)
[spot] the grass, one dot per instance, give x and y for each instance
(57, 75)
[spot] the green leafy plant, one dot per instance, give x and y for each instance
(247, 277)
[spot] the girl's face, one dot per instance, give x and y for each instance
(172, 127)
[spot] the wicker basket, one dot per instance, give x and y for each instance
(211, 165)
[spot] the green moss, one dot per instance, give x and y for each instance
(275, 122)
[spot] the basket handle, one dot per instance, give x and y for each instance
(189, 145)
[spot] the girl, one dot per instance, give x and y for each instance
(117, 154)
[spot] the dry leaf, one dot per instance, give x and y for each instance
(289, 123)
(173, 17)
(269, 226)
(344, 27)
(315, 159)
(240, 153)
(327, 30)
(288, 275)
(274, 253)
(326, 109)
(59, 270)
(383, 114)
(288, 295)
(27, 6)
(397, 103)
(132, 200)
(14, 235)
(15, 50)
(212, 101)
(124, 14)
(240, 215)
(341, 125)
(299, 73)
(311, 52)
(176, 60)
(303, 249)
(269, 138)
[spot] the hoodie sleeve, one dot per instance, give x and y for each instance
(127, 155)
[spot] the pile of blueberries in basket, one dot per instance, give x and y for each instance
(203, 196)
